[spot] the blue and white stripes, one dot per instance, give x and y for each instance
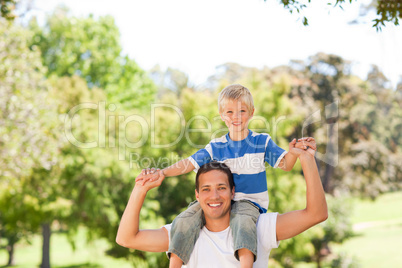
(246, 159)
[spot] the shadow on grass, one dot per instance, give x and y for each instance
(81, 265)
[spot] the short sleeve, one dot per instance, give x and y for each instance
(168, 227)
(266, 230)
(273, 153)
(201, 157)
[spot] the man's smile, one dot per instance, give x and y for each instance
(215, 204)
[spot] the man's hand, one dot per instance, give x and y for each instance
(150, 174)
(149, 181)
(303, 144)
(310, 144)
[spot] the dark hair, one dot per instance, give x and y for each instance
(214, 165)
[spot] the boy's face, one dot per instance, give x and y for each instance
(236, 116)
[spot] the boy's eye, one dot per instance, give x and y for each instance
(229, 112)
(243, 111)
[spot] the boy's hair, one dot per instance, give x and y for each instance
(235, 92)
(214, 165)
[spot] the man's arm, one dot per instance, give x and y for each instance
(295, 222)
(128, 234)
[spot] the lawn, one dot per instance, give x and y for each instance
(378, 226)
(62, 255)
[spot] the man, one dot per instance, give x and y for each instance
(214, 191)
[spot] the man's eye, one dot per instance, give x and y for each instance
(222, 188)
(205, 190)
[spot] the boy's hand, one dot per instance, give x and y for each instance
(308, 144)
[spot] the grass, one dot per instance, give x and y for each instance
(378, 226)
(86, 255)
(378, 229)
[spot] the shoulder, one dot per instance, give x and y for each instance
(257, 135)
(266, 230)
(267, 219)
(266, 226)
(259, 138)
(222, 139)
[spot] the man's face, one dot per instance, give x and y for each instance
(214, 195)
(236, 115)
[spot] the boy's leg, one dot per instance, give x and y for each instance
(175, 261)
(185, 231)
(243, 219)
(246, 258)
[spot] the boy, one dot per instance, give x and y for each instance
(245, 152)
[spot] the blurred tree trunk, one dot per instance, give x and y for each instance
(329, 170)
(10, 250)
(46, 232)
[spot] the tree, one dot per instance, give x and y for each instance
(386, 10)
(90, 48)
(7, 8)
(345, 113)
(87, 185)
(28, 131)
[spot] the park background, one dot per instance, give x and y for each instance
(81, 116)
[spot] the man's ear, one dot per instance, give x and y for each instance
(196, 195)
(233, 192)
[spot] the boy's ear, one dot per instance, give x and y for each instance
(252, 113)
(222, 117)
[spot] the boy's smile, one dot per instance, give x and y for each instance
(236, 116)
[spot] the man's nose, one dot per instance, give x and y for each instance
(215, 193)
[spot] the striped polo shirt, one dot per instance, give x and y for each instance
(246, 159)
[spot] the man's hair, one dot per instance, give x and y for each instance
(214, 165)
(235, 92)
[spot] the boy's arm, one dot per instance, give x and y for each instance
(182, 167)
(288, 161)
(295, 222)
(129, 235)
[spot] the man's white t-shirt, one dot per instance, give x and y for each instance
(215, 249)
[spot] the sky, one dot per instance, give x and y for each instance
(196, 36)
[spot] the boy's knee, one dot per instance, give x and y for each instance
(245, 255)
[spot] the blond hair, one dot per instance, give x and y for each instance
(235, 92)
